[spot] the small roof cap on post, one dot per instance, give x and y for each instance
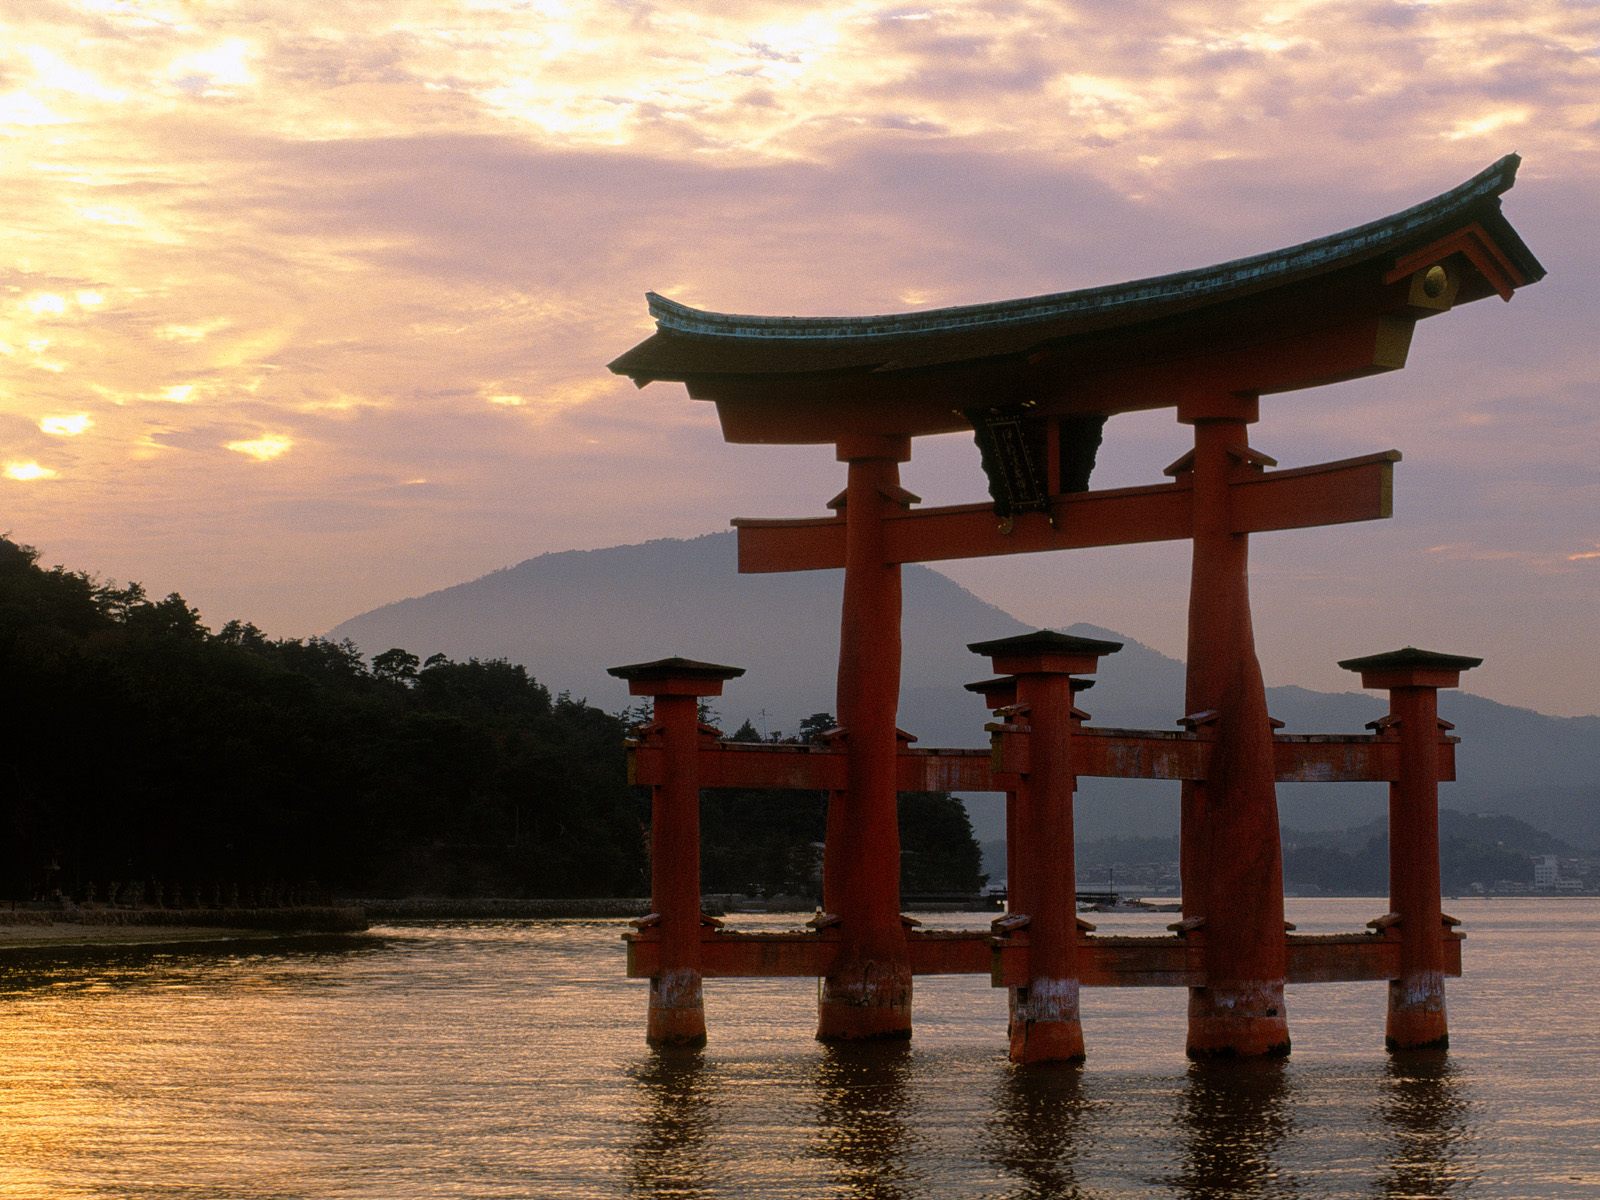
(997, 693)
(675, 677)
(993, 690)
(1411, 667)
(1045, 652)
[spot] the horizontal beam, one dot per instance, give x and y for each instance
(1101, 753)
(1356, 489)
(1335, 493)
(1103, 960)
(1106, 961)
(1179, 962)
(733, 954)
(1117, 517)
(755, 767)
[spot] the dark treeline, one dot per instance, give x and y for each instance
(771, 842)
(148, 754)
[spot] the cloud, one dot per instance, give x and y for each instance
(404, 239)
(66, 425)
(264, 448)
(27, 471)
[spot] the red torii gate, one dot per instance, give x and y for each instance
(1035, 380)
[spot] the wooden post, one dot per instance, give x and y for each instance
(675, 685)
(1413, 677)
(1231, 857)
(1045, 1022)
(1000, 694)
(868, 994)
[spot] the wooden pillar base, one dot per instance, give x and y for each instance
(1045, 1025)
(1240, 1021)
(865, 1001)
(1416, 1014)
(677, 1014)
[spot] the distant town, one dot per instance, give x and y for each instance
(1481, 854)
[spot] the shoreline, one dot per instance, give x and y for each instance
(439, 908)
(37, 929)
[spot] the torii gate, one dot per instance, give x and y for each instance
(1035, 380)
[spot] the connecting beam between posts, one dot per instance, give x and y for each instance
(1354, 489)
(1096, 752)
(1041, 951)
(1102, 960)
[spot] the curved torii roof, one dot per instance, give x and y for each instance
(1328, 309)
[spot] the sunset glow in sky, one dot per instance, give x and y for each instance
(305, 308)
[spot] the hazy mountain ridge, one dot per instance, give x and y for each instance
(568, 616)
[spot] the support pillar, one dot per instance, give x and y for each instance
(1231, 858)
(675, 685)
(1045, 1021)
(1000, 695)
(868, 995)
(1416, 1019)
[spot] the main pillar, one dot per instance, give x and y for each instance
(1413, 677)
(677, 1011)
(868, 993)
(1231, 859)
(1045, 1021)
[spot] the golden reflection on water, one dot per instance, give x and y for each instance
(1425, 1114)
(671, 1155)
(508, 1061)
(865, 1115)
(1042, 1119)
(1046, 1131)
(1232, 1117)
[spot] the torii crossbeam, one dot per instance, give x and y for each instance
(1035, 380)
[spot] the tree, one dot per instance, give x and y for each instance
(814, 726)
(937, 850)
(396, 665)
(244, 634)
(171, 617)
(150, 749)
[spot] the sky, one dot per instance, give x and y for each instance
(304, 308)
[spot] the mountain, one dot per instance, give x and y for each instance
(568, 616)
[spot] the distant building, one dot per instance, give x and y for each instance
(1546, 871)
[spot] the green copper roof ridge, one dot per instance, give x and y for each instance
(1486, 185)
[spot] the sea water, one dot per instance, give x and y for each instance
(506, 1059)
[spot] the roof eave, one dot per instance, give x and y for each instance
(738, 345)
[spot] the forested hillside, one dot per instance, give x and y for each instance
(151, 757)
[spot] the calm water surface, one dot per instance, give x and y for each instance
(506, 1059)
